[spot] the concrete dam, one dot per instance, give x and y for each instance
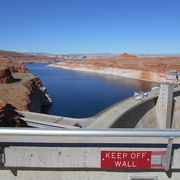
(136, 139)
(157, 109)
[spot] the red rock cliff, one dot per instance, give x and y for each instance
(19, 89)
(37, 97)
(17, 68)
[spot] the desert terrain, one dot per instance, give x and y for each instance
(148, 68)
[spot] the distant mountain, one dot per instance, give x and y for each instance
(40, 53)
(24, 57)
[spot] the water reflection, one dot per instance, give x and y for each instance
(137, 84)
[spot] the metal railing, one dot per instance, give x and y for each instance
(170, 134)
(173, 133)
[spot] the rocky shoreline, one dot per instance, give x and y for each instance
(128, 73)
(38, 96)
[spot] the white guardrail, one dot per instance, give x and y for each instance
(116, 132)
(10, 137)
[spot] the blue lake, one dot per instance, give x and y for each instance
(81, 94)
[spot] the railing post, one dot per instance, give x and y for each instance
(168, 158)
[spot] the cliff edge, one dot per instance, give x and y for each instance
(19, 90)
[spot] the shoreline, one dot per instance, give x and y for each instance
(150, 76)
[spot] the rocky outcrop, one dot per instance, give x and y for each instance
(19, 89)
(6, 76)
(37, 97)
(127, 56)
(9, 117)
(18, 68)
(9, 68)
(27, 95)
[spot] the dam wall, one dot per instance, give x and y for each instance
(131, 118)
(161, 111)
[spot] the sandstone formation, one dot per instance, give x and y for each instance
(28, 94)
(14, 68)
(7, 69)
(19, 89)
(37, 97)
(127, 56)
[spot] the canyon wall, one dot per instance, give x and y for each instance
(19, 90)
(129, 73)
(37, 97)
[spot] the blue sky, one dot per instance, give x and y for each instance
(90, 26)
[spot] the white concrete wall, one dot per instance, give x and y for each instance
(79, 163)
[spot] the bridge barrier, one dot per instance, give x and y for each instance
(132, 154)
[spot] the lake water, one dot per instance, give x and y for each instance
(82, 94)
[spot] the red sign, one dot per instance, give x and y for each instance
(126, 159)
